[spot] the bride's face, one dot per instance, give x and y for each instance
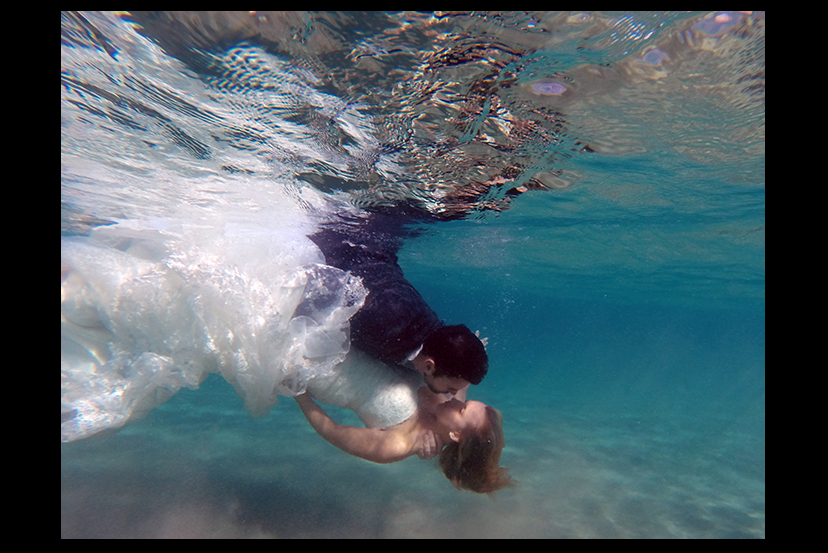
(457, 416)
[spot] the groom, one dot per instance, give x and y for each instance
(395, 324)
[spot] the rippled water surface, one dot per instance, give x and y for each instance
(591, 193)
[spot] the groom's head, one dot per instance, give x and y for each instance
(452, 357)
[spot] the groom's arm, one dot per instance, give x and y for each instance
(371, 444)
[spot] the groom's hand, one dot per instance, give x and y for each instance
(484, 340)
(430, 445)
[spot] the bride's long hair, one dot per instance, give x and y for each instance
(473, 462)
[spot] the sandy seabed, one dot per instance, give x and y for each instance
(191, 470)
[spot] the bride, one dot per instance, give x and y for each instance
(150, 307)
(472, 430)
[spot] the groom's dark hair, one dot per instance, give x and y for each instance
(457, 352)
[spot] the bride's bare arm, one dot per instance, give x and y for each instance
(371, 444)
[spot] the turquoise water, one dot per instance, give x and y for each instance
(624, 302)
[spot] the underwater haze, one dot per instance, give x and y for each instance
(591, 197)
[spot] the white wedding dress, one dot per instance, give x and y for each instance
(148, 307)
